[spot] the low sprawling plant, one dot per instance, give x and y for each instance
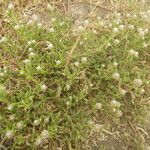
(67, 85)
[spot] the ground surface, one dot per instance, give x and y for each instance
(83, 84)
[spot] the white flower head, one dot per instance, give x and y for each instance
(97, 127)
(38, 141)
(68, 87)
(103, 65)
(30, 49)
(3, 88)
(10, 6)
(62, 23)
(116, 75)
(45, 134)
(121, 27)
(50, 7)
(133, 53)
(95, 32)
(26, 61)
(30, 23)
(117, 21)
(137, 82)
(98, 106)
(140, 29)
(67, 103)
(84, 59)
(36, 122)
(116, 41)
(35, 18)
(31, 42)
(25, 17)
(58, 62)
(43, 87)
(17, 27)
(46, 120)
(147, 148)
(51, 30)
(108, 45)
(118, 113)
(131, 27)
(32, 54)
(81, 43)
(10, 107)
(76, 64)
(19, 125)
(110, 25)
(2, 74)
(53, 19)
(128, 15)
(91, 123)
(80, 28)
(99, 18)
(12, 117)
(146, 30)
(117, 14)
(122, 91)
(135, 16)
(115, 64)
(50, 46)
(141, 34)
(40, 25)
(38, 68)
(115, 104)
(91, 85)
(3, 40)
(145, 45)
(9, 134)
(86, 22)
(115, 30)
(21, 72)
(142, 91)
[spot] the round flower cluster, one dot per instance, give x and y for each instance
(3, 39)
(145, 15)
(3, 71)
(137, 82)
(44, 135)
(115, 106)
(43, 87)
(98, 106)
(133, 53)
(9, 134)
(142, 32)
(116, 75)
(49, 45)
